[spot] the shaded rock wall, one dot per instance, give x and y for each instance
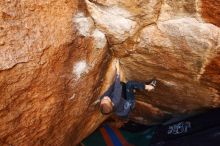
(56, 60)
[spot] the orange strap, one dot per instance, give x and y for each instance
(106, 137)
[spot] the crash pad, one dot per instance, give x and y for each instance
(111, 136)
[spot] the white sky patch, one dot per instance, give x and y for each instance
(99, 38)
(80, 68)
(84, 24)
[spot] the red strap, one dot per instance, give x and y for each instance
(106, 137)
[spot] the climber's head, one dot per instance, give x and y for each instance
(106, 106)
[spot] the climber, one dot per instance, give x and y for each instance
(120, 101)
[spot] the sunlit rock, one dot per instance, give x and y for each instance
(177, 52)
(57, 58)
(122, 19)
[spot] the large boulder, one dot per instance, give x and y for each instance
(181, 54)
(50, 73)
(56, 60)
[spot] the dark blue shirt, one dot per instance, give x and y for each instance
(122, 107)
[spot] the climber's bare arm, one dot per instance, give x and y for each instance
(120, 71)
(117, 66)
(109, 77)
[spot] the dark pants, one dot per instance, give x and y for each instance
(115, 91)
(130, 86)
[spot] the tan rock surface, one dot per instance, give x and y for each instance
(47, 72)
(121, 19)
(56, 60)
(173, 9)
(178, 54)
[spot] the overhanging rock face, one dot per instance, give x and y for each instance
(56, 60)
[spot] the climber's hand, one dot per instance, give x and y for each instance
(149, 88)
